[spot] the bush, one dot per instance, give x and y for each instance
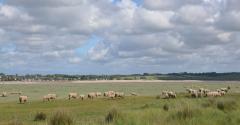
(40, 116)
(61, 118)
(165, 107)
(112, 115)
(220, 105)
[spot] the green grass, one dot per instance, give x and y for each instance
(36, 91)
(133, 111)
(140, 110)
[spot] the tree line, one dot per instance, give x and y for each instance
(230, 76)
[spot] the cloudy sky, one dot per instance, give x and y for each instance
(119, 36)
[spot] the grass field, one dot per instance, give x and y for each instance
(141, 110)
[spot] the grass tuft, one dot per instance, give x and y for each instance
(186, 113)
(40, 116)
(112, 115)
(227, 104)
(61, 118)
(165, 107)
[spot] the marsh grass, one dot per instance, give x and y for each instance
(40, 116)
(15, 121)
(138, 110)
(112, 115)
(61, 117)
(226, 104)
(165, 107)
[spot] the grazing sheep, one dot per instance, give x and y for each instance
(52, 96)
(110, 94)
(222, 93)
(201, 92)
(72, 95)
(213, 94)
(201, 89)
(172, 94)
(189, 90)
(168, 94)
(224, 89)
(197, 93)
(23, 99)
(4, 94)
(119, 94)
(98, 94)
(165, 96)
(46, 98)
(91, 95)
(205, 91)
(105, 94)
(193, 93)
(81, 96)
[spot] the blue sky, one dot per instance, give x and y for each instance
(91, 42)
(52, 36)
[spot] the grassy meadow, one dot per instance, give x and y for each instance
(144, 109)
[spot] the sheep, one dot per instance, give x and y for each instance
(52, 96)
(23, 99)
(201, 89)
(222, 93)
(4, 94)
(119, 94)
(172, 94)
(213, 94)
(72, 95)
(91, 95)
(110, 94)
(105, 94)
(82, 96)
(193, 93)
(189, 90)
(165, 96)
(205, 91)
(46, 98)
(225, 89)
(98, 94)
(201, 92)
(168, 94)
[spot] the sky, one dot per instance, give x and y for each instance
(119, 36)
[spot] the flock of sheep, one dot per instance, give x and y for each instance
(112, 94)
(198, 93)
(73, 95)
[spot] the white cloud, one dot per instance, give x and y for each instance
(189, 34)
(75, 60)
(193, 15)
